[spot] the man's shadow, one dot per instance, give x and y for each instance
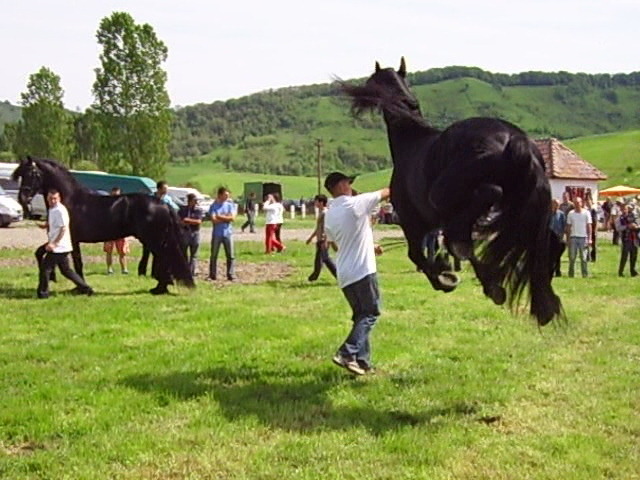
(291, 400)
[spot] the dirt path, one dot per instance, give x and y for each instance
(27, 235)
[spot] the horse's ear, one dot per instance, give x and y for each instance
(378, 67)
(402, 71)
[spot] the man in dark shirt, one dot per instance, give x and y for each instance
(628, 229)
(191, 217)
(250, 212)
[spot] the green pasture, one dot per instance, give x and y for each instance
(236, 381)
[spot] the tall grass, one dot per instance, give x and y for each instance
(236, 381)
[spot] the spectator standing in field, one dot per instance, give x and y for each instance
(58, 248)
(250, 212)
(223, 213)
(579, 233)
(628, 228)
(590, 207)
(322, 250)
(280, 218)
(274, 213)
(348, 227)
(162, 192)
(558, 226)
(567, 205)
(121, 245)
(191, 216)
(616, 211)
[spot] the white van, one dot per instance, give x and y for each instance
(10, 210)
(180, 194)
(11, 188)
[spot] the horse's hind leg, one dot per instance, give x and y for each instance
(159, 271)
(458, 232)
(490, 279)
(76, 255)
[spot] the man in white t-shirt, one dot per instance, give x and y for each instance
(579, 232)
(348, 227)
(58, 248)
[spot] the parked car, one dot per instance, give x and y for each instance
(10, 210)
(179, 194)
(11, 188)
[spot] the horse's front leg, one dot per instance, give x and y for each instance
(76, 255)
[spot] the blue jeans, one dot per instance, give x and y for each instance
(227, 243)
(364, 298)
(322, 256)
(578, 246)
(191, 247)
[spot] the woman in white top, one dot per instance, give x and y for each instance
(274, 212)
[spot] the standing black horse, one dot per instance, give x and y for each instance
(97, 218)
(482, 180)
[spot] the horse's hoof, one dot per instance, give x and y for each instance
(448, 281)
(462, 250)
(159, 290)
(496, 293)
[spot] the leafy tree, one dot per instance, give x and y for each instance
(45, 128)
(131, 100)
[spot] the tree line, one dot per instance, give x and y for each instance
(126, 130)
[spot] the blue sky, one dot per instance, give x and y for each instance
(227, 49)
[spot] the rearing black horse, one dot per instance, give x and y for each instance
(482, 180)
(97, 218)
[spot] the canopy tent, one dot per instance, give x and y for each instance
(619, 191)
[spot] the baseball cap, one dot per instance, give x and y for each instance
(334, 178)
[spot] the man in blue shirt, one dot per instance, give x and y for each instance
(222, 213)
(558, 225)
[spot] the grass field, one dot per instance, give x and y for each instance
(237, 382)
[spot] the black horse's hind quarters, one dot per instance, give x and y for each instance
(98, 218)
(482, 181)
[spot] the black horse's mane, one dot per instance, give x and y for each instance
(373, 97)
(56, 167)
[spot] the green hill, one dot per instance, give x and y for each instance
(8, 114)
(276, 131)
(616, 154)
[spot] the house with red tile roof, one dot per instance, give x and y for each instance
(567, 171)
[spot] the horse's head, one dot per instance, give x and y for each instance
(386, 89)
(31, 182)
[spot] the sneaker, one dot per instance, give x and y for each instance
(125, 272)
(110, 271)
(312, 278)
(367, 367)
(348, 363)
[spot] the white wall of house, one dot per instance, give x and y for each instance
(558, 186)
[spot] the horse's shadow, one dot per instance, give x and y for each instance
(10, 291)
(288, 400)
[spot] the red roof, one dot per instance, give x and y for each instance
(562, 162)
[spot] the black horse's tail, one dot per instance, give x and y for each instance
(519, 242)
(176, 259)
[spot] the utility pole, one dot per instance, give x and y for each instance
(319, 163)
